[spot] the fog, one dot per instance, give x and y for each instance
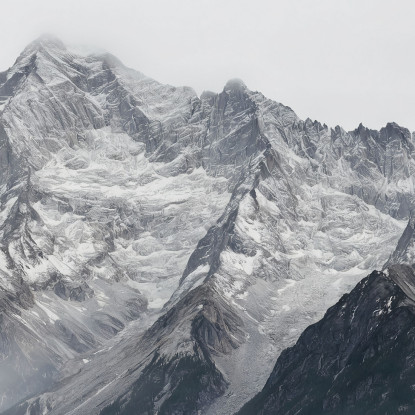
(340, 62)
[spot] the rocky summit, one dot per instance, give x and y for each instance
(159, 250)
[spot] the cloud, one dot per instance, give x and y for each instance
(340, 62)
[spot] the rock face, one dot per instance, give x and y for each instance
(359, 359)
(405, 250)
(154, 242)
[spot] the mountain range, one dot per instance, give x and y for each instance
(165, 253)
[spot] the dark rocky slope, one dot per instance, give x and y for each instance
(358, 360)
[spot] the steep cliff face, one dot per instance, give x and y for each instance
(405, 250)
(359, 359)
(186, 240)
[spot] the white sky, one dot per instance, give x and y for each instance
(337, 61)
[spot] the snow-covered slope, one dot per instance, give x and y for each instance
(170, 234)
(100, 233)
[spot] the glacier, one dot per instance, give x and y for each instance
(152, 239)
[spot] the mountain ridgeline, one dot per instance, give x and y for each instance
(159, 251)
(358, 360)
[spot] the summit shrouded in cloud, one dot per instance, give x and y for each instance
(342, 62)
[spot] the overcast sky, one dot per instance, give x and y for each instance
(337, 61)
